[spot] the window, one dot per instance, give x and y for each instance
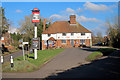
(50, 41)
(63, 41)
(49, 35)
(45, 42)
(82, 34)
(82, 41)
(64, 34)
(72, 34)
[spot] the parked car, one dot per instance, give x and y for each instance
(99, 43)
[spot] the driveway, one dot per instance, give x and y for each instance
(67, 59)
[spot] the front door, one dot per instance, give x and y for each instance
(72, 42)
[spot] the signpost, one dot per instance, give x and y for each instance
(25, 43)
(22, 45)
(20, 42)
(36, 19)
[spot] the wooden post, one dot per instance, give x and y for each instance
(28, 50)
(39, 43)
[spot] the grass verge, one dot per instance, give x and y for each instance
(30, 64)
(99, 53)
(95, 55)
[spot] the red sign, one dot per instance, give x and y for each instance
(36, 18)
(35, 21)
(36, 12)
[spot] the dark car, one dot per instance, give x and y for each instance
(99, 43)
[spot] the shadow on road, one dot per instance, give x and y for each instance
(89, 49)
(107, 68)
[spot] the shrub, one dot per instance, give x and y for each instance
(106, 51)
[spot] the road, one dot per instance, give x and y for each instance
(15, 55)
(71, 64)
(69, 58)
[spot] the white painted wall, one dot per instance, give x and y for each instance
(68, 36)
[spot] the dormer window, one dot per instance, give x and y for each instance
(72, 34)
(63, 34)
(49, 35)
(82, 34)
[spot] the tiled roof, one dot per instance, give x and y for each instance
(51, 38)
(65, 27)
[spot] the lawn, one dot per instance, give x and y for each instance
(30, 64)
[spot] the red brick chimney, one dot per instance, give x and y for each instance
(72, 19)
(44, 25)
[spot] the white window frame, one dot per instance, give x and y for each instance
(65, 42)
(81, 41)
(45, 42)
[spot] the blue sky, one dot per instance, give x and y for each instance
(92, 15)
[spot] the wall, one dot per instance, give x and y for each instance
(68, 36)
(59, 37)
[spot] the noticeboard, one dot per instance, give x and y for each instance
(35, 43)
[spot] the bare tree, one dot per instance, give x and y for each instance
(114, 32)
(27, 28)
(99, 37)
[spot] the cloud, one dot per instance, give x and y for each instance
(78, 18)
(56, 16)
(18, 11)
(85, 19)
(64, 16)
(69, 10)
(12, 30)
(102, 27)
(95, 7)
(79, 10)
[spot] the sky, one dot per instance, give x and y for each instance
(92, 15)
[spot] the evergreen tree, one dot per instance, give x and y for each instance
(4, 22)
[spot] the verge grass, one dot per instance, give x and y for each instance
(30, 64)
(95, 55)
(99, 53)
